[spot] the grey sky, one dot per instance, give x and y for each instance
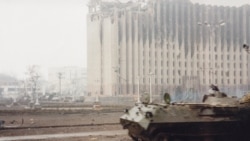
(49, 33)
(43, 32)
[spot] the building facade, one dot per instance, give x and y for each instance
(174, 45)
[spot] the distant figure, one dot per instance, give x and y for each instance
(214, 91)
(214, 88)
(246, 47)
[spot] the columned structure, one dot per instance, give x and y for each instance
(182, 46)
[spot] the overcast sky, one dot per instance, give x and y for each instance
(49, 33)
(43, 32)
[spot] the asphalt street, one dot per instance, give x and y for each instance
(65, 135)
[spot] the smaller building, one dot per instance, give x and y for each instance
(67, 81)
(11, 87)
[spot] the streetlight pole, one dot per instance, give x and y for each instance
(138, 94)
(117, 70)
(247, 49)
(150, 89)
(96, 93)
(211, 27)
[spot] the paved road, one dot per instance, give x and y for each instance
(66, 135)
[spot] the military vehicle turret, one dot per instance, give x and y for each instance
(217, 118)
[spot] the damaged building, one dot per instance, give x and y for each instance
(176, 45)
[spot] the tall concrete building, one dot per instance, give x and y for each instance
(177, 46)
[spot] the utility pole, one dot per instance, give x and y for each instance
(60, 83)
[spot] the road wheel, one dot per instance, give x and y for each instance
(161, 137)
(133, 138)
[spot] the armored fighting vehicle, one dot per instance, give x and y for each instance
(217, 118)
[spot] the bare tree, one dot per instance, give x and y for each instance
(33, 77)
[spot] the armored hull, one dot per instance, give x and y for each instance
(216, 119)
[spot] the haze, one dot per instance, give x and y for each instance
(49, 33)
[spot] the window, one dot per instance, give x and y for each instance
(11, 89)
